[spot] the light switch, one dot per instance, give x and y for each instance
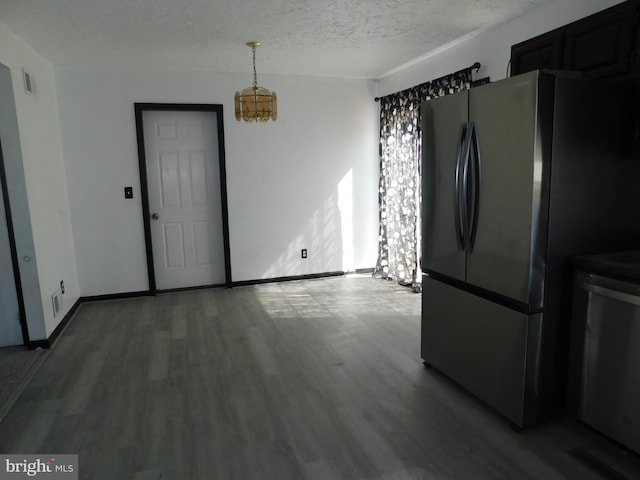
(128, 192)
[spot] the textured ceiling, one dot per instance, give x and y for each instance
(335, 38)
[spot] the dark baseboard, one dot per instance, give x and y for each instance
(287, 279)
(33, 344)
(47, 342)
(117, 296)
(362, 271)
(186, 289)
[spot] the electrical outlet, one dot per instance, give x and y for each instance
(62, 286)
(303, 253)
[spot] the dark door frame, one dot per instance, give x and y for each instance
(14, 251)
(140, 108)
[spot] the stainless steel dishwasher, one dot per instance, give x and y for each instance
(604, 371)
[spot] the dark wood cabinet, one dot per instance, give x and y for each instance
(544, 51)
(603, 45)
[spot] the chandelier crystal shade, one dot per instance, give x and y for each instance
(256, 103)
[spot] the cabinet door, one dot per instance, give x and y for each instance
(601, 45)
(544, 51)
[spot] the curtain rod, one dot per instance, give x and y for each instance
(476, 66)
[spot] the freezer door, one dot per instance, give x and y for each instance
(444, 129)
(488, 349)
(506, 256)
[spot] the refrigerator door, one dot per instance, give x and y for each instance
(444, 130)
(505, 254)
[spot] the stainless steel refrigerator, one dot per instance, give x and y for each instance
(518, 176)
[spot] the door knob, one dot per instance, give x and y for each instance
(155, 216)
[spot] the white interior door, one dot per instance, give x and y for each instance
(183, 175)
(10, 329)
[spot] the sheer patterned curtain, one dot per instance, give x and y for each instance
(399, 194)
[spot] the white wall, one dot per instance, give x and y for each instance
(491, 48)
(30, 131)
(308, 180)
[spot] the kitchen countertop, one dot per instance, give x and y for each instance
(620, 264)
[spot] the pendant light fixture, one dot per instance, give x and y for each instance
(256, 103)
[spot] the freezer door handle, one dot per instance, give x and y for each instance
(458, 192)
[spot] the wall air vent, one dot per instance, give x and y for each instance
(29, 82)
(56, 302)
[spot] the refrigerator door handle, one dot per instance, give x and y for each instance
(458, 220)
(467, 175)
(476, 175)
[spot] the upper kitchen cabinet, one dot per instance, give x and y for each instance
(603, 45)
(544, 51)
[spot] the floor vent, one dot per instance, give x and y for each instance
(596, 465)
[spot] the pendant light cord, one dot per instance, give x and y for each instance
(255, 75)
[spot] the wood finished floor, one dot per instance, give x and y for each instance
(316, 379)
